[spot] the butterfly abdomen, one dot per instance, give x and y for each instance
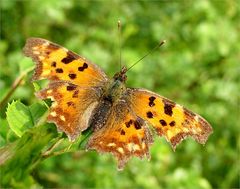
(113, 92)
(100, 115)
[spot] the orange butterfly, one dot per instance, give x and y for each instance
(123, 120)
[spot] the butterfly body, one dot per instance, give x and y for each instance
(112, 92)
(99, 115)
(116, 87)
(123, 120)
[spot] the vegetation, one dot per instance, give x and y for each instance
(197, 67)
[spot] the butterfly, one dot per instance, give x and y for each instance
(123, 120)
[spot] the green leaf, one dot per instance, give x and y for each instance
(19, 158)
(25, 64)
(20, 117)
(37, 110)
(36, 86)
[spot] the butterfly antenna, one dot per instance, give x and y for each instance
(120, 44)
(150, 52)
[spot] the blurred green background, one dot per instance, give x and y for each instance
(198, 67)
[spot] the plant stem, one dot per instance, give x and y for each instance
(14, 86)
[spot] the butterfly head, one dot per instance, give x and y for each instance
(121, 76)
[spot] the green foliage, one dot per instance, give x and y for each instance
(21, 156)
(20, 117)
(198, 67)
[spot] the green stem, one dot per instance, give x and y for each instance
(14, 86)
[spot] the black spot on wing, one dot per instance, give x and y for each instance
(72, 76)
(168, 106)
(54, 64)
(122, 132)
(75, 94)
(129, 123)
(151, 101)
(172, 123)
(70, 103)
(59, 70)
(163, 122)
(149, 114)
(137, 125)
(83, 67)
(71, 87)
(69, 58)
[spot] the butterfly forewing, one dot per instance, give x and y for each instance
(57, 63)
(169, 119)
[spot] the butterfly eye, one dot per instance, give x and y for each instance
(124, 78)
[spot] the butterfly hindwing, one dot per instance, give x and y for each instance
(169, 119)
(72, 106)
(124, 135)
(57, 63)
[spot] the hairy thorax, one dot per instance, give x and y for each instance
(113, 92)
